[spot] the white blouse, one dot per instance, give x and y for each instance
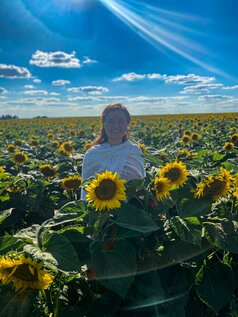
(125, 158)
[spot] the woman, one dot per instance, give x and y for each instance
(112, 150)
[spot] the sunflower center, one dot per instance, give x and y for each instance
(19, 158)
(173, 174)
(215, 188)
(72, 183)
(68, 147)
(23, 273)
(159, 187)
(106, 189)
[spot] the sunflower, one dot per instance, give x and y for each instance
(55, 144)
(195, 137)
(235, 193)
(67, 148)
(142, 147)
(185, 139)
(19, 142)
(20, 158)
(72, 133)
(234, 138)
(215, 186)
(175, 172)
(11, 148)
(25, 273)
(48, 170)
(34, 142)
(72, 182)
(187, 132)
(161, 187)
(50, 135)
(2, 170)
(87, 145)
(106, 191)
(228, 146)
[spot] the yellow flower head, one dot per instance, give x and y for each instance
(228, 146)
(87, 145)
(50, 135)
(48, 170)
(2, 170)
(175, 172)
(215, 186)
(195, 137)
(161, 187)
(72, 182)
(234, 138)
(34, 142)
(235, 186)
(24, 273)
(106, 191)
(11, 148)
(185, 139)
(142, 147)
(20, 157)
(187, 132)
(55, 144)
(67, 148)
(19, 142)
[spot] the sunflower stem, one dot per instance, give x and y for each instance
(233, 205)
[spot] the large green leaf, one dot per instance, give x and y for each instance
(15, 304)
(115, 268)
(72, 211)
(4, 214)
(195, 206)
(146, 291)
(214, 285)
(188, 229)
(222, 233)
(63, 251)
(134, 218)
(9, 243)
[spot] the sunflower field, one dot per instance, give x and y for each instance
(163, 246)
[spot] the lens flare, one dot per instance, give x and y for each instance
(154, 25)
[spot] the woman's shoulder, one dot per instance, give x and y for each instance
(135, 148)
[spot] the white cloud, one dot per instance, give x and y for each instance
(34, 101)
(54, 93)
(230, 87)
(214, 98)
(91, 90)
(3, 91)
(37, 80)
(29, 87)
(60, 82)
(130, 77)
(190, 79)
(13, 71)
(145, 99)
(55, 59)
(88, 60)
(200, 89)
(35, 92)
(98, 98)
(156, 76)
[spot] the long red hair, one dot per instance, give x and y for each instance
(102, 137)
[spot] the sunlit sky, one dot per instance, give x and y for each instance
(63, 58)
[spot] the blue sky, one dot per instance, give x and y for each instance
(73, 57)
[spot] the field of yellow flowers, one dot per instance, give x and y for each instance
(164, 246)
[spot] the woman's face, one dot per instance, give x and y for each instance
(115, 126)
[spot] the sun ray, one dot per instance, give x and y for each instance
(145, 23)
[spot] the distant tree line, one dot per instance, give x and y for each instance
(7, 117)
